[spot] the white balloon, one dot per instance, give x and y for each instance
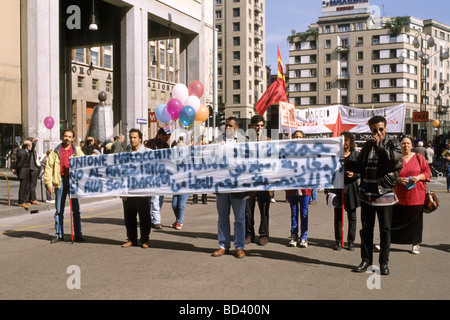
(180, 92)
(193, 101)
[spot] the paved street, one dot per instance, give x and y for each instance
(178, 265)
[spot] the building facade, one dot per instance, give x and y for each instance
(42, 78)
(351, 57)
(241, 72)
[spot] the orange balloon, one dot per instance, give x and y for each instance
(202, 114)
(436, 123)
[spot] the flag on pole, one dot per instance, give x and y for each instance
(276, 92)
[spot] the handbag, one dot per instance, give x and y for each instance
(431, 202)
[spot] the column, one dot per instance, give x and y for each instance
(134, 70)
(40, 70)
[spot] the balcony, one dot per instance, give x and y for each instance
(343, 48)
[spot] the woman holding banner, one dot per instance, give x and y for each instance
(350, 197)
(298, 201)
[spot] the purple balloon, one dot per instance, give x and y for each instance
(49, 122)
(174, 107)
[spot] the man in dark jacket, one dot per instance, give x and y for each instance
(23, 173)
(379, 163)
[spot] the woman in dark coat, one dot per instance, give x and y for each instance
(350, 196)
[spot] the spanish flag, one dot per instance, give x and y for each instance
(276, 92)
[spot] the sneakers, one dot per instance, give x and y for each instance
(177, 225)
(272, 200)
(415, 249)
(293, 241)
(50, 201)
(303, 243)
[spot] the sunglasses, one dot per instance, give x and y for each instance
(375, 130)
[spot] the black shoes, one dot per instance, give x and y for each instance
(362, 267)
(384, 269)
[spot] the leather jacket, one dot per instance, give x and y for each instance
(390, 162)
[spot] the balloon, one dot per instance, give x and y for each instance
(193, 101)
(49, 122)
(202, 114)
(436, 123)
(187, 116)
(162, 114)
(174, 107)
(180, 92)
(196, 89)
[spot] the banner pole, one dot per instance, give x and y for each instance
(71, 220)
(343, 210)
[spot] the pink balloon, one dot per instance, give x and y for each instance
(49, 122)
(196, 89)
(174, 107)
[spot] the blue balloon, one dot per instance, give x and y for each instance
(162, 114)
(187, 116)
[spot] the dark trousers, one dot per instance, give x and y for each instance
(384, 214)
(263, 198)
(131, 207)
(24, 189)
(34, 174)
(351, 218)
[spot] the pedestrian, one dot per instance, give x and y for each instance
(446, 159)
(350, 197)
(56, 176)
(430, 154)
(299, 203)
(35, 170)
(257, 124)
(23, 172)
(407, 220)
(133, 206)
(379, 163)
(43, 161)
(90, 148)
(226, 201)
(159, 142)
(420, 149)
(117, 146)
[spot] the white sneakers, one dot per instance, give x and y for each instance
(415, 249)
(294, 242)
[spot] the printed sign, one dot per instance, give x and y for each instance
(214, 168)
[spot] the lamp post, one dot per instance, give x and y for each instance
(424, 58)
(441, 109)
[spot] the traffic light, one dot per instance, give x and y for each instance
(221, 118)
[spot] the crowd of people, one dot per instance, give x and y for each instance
(386, 179)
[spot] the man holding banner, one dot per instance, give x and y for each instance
(225, 201)
(56, 176)
(379, 163)
(136, 205)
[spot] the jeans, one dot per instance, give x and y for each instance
(179, 206)
(299, 204)
(157, 202)
(224, 201)
(60, 203)
(314, 195)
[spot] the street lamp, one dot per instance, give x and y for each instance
(441, 109)
(424, 59)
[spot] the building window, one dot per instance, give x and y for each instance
(328, 100)
(360, 55)
(236, 41)
(360, 84)
(236, 84)
(360, 41)
(327, 86)
(94, 58)
(108, 86)
(360, 98)
(236, 98)
(218, 14)
(79, 55)
(327, 57)
(236, 26)
(94, 84)
(80, 82)
(236, 70)
(107, 62)
(236, 55)
(360, 69)
(236, 12)
(328, 72)
(327, 43)
(344, 27)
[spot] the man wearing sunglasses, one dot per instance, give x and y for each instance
(379, 163)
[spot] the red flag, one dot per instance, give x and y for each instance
(276, 92)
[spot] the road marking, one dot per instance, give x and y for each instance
(51, 224)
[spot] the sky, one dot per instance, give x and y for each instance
(282, 16)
